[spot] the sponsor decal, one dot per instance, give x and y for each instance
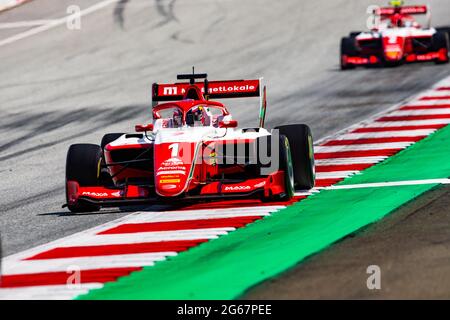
(237, 188)
(164, 181)
(173, 166)
(221, 87)
(94, 194)
(172, 162)
(174, 90)
(116, 194)
(168, 91)
(176, 172)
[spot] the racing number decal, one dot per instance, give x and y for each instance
(175, 147)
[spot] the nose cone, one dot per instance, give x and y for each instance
(393, 54)
(171, 169)
(171, 177)
(393, 48)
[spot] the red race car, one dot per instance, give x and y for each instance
(397, 38)
(192, 151)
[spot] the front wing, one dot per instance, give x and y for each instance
(267, 187)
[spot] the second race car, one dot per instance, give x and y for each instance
(397, 38)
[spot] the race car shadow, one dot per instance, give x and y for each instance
(67, 213)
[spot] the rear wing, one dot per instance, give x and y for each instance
(214, 90)
(389, 11)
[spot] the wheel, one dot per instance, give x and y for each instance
(445, 30)
(440, 41)
(302, 149)
(108, 138)
(286, 165)
(83, 166)
(348, 48)
(283, 162)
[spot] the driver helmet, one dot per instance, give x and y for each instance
(198, 114)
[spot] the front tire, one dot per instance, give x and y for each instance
(348, 48)
(286, 165)
(83, 165)
(302, 149)
(440, 41)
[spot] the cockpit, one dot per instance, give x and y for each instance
(200, 115)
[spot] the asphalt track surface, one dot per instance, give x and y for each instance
(63, 86)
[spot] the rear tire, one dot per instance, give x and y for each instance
(302, 149)
(286, 165)
(348, 48)
(441, 41)
(83, 166)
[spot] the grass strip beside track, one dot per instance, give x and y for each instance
(225, 268)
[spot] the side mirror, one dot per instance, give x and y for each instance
(228, 124)
(143, 127)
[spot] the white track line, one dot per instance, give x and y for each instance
(386, 134)
(361, 147)
(335, 174)
(306, 193)
(56, 23)
(390, 184)
(24, 24)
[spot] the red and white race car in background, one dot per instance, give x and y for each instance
(192, 151)
(397, 38)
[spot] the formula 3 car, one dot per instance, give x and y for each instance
(395, 39)
(192, 151)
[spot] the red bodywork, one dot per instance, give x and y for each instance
(182, 167)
